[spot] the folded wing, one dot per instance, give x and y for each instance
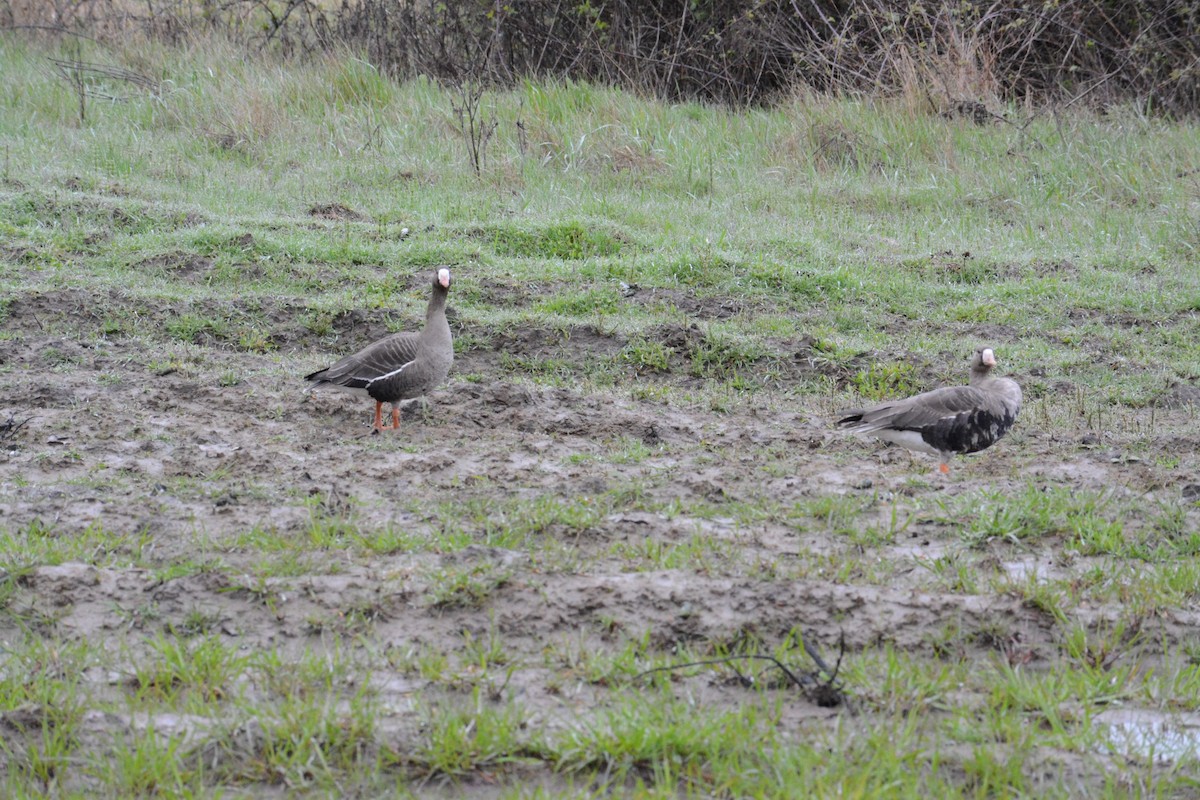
(383, 359)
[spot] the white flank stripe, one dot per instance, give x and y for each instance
(910, 439)
(391, 374)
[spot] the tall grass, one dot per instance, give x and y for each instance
(966, 58)
(860, 201)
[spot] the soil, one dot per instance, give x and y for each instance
(187, 465)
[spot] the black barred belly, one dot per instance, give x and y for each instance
(390, 390)
(968, 432)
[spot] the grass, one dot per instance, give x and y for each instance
(657, 309)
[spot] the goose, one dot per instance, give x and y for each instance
(399, 367)
(946, 421)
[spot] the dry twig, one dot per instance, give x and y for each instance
(9, 428)
(827, 693)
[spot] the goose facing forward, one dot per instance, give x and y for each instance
(946, 421)
(402, 366)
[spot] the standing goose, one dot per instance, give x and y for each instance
(402, 366)
(953, 419)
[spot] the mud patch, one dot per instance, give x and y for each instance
(578, 346)
(188, 266)
(158, 485)
(334, 211)
(699, 306)
(52, 309)
(504, 294)
(1180, 395)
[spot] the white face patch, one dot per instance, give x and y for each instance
(444, 277)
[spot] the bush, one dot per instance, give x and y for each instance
(964, 57)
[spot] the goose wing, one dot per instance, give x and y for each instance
(387, 356)
(919, 412)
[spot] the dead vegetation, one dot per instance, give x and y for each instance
(10, 427)
(820, 686)
(965, 59)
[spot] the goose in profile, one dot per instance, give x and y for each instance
(946, 421)
(399, 367)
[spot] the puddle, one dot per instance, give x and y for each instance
(391, 684)
(1022, 569)
(1039, 568)
(1139, 733)
(921, 549)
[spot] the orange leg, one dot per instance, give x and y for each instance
(379, 426)
(944, 468)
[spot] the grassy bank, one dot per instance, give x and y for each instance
(656, 311)
(839, 219)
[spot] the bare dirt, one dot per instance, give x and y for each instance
(117, 437)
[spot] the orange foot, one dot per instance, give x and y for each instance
(944, 468)
(379, 426)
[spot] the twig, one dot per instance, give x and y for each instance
(826, 694)
(76, 70)
(9, 428)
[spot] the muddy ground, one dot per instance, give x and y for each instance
(143, 438)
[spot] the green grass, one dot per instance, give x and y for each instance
(662, 308)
